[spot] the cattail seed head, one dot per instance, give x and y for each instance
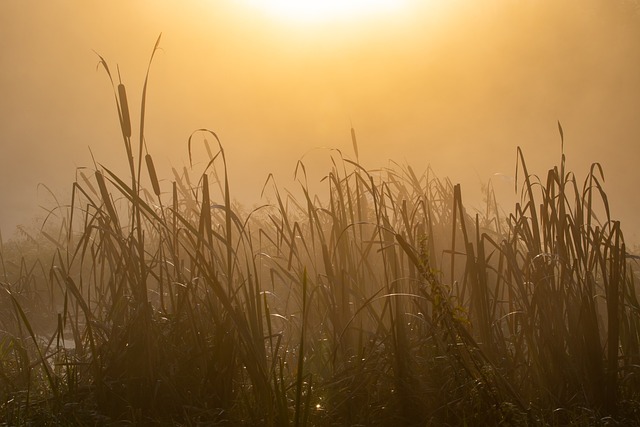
(152, 174)
(125, 121)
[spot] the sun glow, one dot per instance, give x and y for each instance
(308, 11)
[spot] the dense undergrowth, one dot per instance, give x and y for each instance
(381, 301)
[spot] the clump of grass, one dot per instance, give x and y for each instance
(381, 302)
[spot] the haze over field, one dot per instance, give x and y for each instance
(457, 87)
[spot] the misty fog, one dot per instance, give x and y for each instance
(455, 87)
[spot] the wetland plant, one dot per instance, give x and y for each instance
(382, 301)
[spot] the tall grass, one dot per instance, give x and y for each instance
(380, 302)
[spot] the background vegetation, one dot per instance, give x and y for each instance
(381, 301)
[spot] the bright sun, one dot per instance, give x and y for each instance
(307, 11)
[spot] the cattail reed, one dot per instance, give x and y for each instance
(124, 111)
(152, 175)
(384, 304)
(354, 142)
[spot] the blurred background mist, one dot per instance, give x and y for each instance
(454, 85)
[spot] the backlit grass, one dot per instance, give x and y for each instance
(380, 301)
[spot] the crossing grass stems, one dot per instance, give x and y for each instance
(382, 301)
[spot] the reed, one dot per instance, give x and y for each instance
(381, 301)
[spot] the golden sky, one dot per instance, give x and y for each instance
(455, 84)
